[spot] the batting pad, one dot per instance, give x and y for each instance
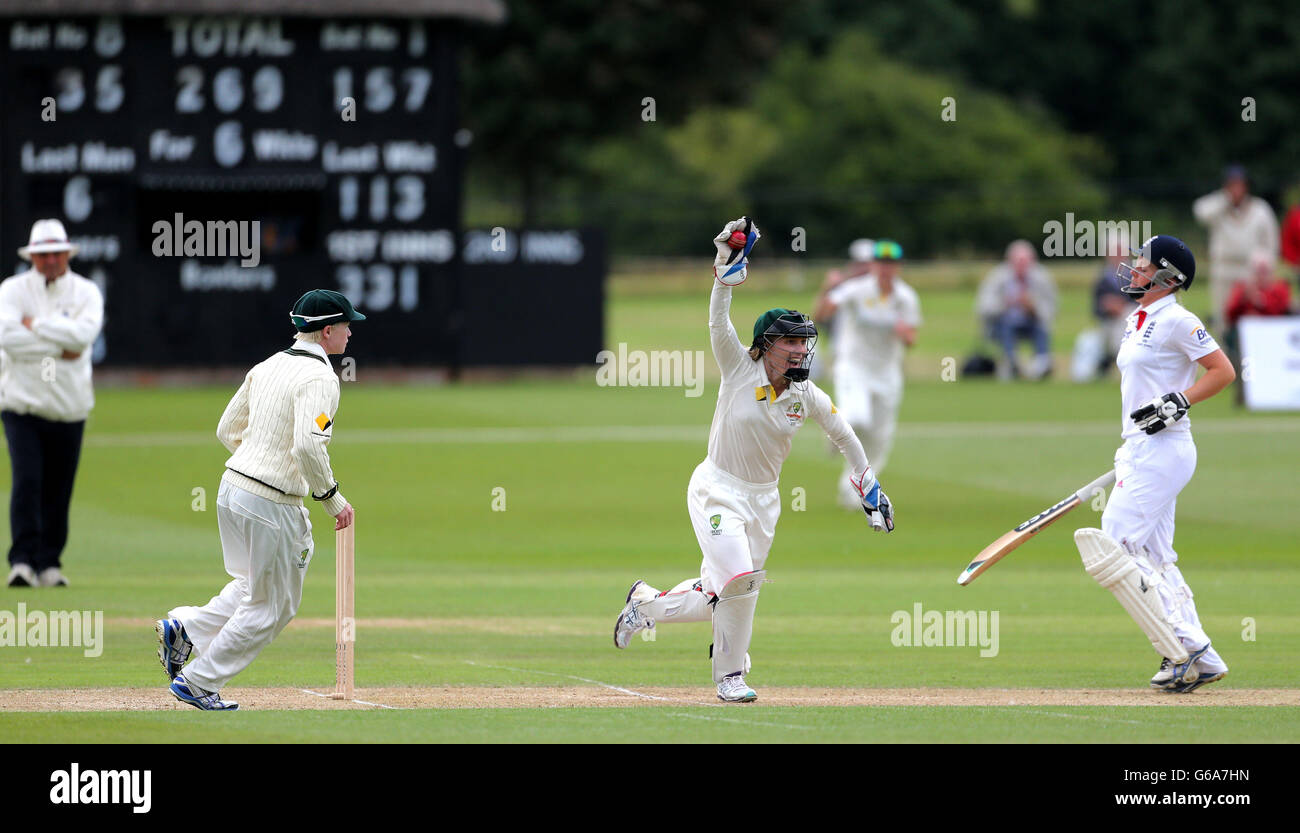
(1114, 569)
(733, 623)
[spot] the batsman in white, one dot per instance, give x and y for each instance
(277, 427)
(732, 498)
(1133, 554)
(876, 319)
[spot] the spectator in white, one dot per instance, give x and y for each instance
(49, 318)
(877, 316)
(1095, 349)
(1239, 225)
(1017, 301)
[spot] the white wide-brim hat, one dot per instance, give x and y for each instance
(47, 236)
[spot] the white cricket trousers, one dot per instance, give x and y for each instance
(734, 522)
(1150, 471)
(266, 547)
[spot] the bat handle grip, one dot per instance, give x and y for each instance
(1104, 482)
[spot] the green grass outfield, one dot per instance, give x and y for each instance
(452, 593)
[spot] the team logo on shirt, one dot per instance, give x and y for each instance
(795, 414)
(302, 558)
(714, 521)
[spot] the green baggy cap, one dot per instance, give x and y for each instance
(784, 322)
(319, 308)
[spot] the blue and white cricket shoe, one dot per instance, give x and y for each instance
(734, 689)
(174, 646)
(1164, 678)
(208, 701)
(1201, 679)
(631, 621)
(1185, 672)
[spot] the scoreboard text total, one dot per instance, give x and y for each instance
(335, 136)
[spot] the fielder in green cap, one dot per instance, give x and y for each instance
(732, 499)
(277, 427)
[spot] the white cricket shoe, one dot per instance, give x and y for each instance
(631, 622)
(734, 689)
(1165, 676)
(22, 575)
(52, 577)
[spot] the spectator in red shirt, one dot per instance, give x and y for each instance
(1263, 294)
(1291, 230)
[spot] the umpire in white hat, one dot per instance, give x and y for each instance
(49, 318)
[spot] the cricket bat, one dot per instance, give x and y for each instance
(998, 550)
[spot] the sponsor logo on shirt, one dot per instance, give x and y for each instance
(1200, 335)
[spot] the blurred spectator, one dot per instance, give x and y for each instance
(1017, 302)
(1264, 294)
(1096, 348)
(1291, 230)
(1239, 225)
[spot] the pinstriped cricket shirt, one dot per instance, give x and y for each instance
(278, 425)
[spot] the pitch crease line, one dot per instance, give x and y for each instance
(1083, 716)
(645, 696)
(326, 697)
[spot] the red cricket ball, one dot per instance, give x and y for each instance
(737, 240)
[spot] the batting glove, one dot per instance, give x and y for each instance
(730, 266)
(880, 512)
(1161, 412)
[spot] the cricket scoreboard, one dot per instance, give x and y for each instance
(213, 168)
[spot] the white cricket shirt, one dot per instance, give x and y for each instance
(66, 314)
(752, 426)
(278, 424)
(1157, 356)
(865, 340)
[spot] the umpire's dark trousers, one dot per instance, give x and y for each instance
(44, 455)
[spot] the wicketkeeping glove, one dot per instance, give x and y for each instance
(1161, 412)
(880, 512)
(730, 264)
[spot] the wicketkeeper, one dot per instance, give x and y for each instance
(732, 498)
(277, 427)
